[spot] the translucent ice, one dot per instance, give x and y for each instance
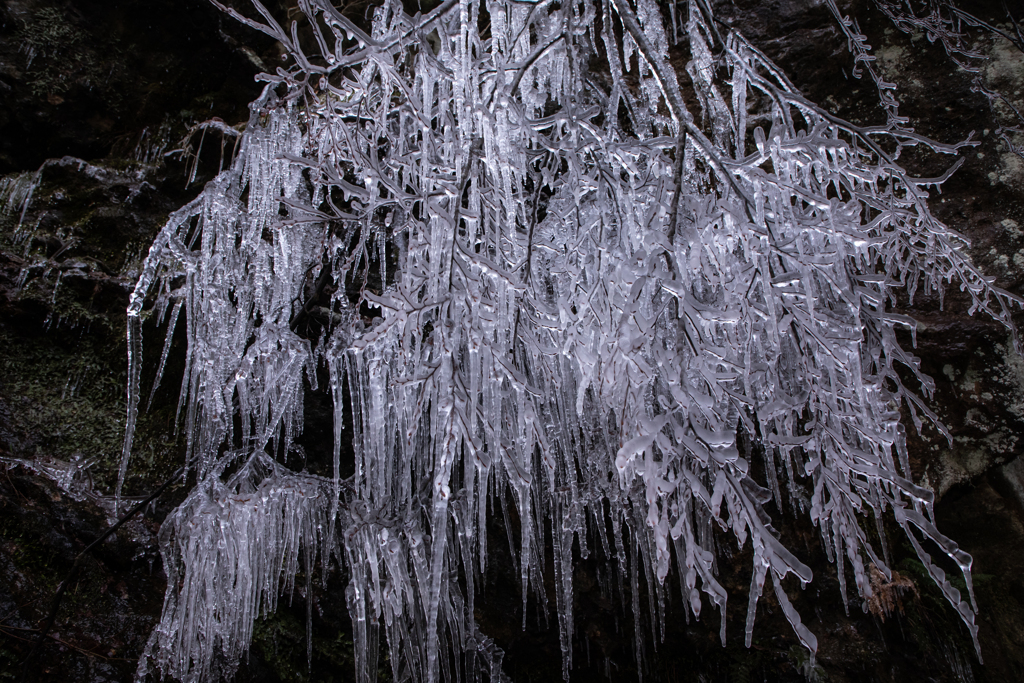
(571, 301)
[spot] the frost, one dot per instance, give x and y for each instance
(576, 302)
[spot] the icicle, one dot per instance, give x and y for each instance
(172, 323)
(134, 375)
(228, 571)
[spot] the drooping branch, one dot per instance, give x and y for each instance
(572, 313)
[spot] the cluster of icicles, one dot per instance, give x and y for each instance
(588, 308)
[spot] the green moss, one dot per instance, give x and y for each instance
(802, 661)
(70, 401)
(60, 54)
(280, 641)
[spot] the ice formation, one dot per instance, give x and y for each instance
(547, 287)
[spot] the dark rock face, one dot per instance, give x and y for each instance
(94, 95)
(87, 78)
(111, 606)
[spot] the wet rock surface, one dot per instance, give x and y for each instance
(93, 96)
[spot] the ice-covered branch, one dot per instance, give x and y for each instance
(546, 291)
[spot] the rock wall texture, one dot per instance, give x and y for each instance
(95, 97)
